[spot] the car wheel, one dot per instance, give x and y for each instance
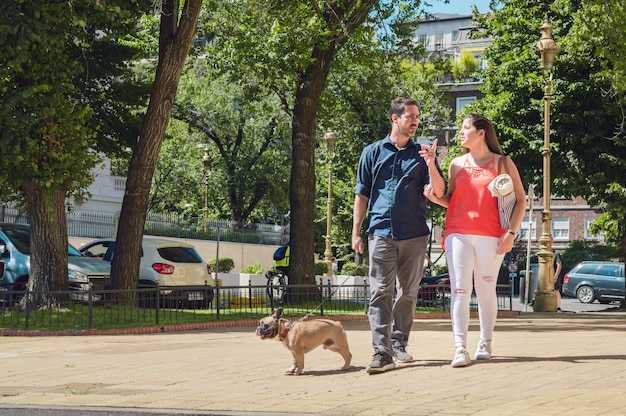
(146, 299)
(585, 294)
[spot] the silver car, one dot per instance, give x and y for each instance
(165, 263)
(591, 280)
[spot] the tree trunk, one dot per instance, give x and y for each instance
(48, 244)
(175, 39)
(304, 123)
(302, 197)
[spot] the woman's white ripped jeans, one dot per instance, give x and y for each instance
(472, 259)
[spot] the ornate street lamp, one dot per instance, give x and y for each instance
(331, 141)
(545, 297)
(206, 166)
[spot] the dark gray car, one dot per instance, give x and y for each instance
(591, 280)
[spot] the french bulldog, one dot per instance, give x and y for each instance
(301, 337)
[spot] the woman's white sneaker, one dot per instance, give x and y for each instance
(483, 351)
(461, 358)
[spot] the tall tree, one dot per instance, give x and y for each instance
(588, 142)
(177, 30)
(60, 61)
(291, 46)
(243, 126)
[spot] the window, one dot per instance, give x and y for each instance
(463, 101)
(612, 270)
(439, 41)
(588, 235)
(560, 228)
(482, 63)
(587, 269)
(423, 39)
(523, 231)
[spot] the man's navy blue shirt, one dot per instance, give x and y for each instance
(393, 179)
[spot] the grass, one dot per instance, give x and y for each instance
(79, 317)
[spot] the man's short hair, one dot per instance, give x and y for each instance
(398, 105)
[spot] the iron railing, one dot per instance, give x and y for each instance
(104, 309)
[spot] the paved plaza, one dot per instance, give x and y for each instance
(542, 364)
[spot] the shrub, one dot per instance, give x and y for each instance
(320, 267)
(225, 264)
(349, 268)
(254, 268)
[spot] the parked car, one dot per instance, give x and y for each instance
(15, 253)
(591, 280)
(434, 291)
(166, 263)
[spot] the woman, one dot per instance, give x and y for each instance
(474, 241)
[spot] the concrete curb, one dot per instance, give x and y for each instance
(156, 329)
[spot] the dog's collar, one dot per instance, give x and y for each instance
(283, 335)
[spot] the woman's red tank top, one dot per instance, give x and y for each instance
(472, 209)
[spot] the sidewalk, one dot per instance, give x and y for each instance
(543, 363)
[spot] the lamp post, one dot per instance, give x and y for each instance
(206, 166)
(545, 297)
(179, 211)
(331, 140)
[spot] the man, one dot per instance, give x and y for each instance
(391, 177)
(557, 279)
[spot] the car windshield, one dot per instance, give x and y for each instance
(21, 240)
(73, 251)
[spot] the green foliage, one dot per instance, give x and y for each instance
(290, 49)
(465, 67)
(247, 135)
(440, 270)
(61, 98)
(581, 250)
(350, 269)
(320, 267)
(254, 268)
(224, 265)
(611, 227)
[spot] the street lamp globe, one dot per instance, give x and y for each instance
(331, 141)
(206, 160)
(546, 48)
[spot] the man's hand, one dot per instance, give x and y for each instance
(429, 153)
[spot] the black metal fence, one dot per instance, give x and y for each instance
(102, 309)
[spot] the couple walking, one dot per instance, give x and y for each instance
(395, 178)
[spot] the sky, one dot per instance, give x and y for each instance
(458, 6)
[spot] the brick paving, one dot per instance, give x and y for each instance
(543, 363)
